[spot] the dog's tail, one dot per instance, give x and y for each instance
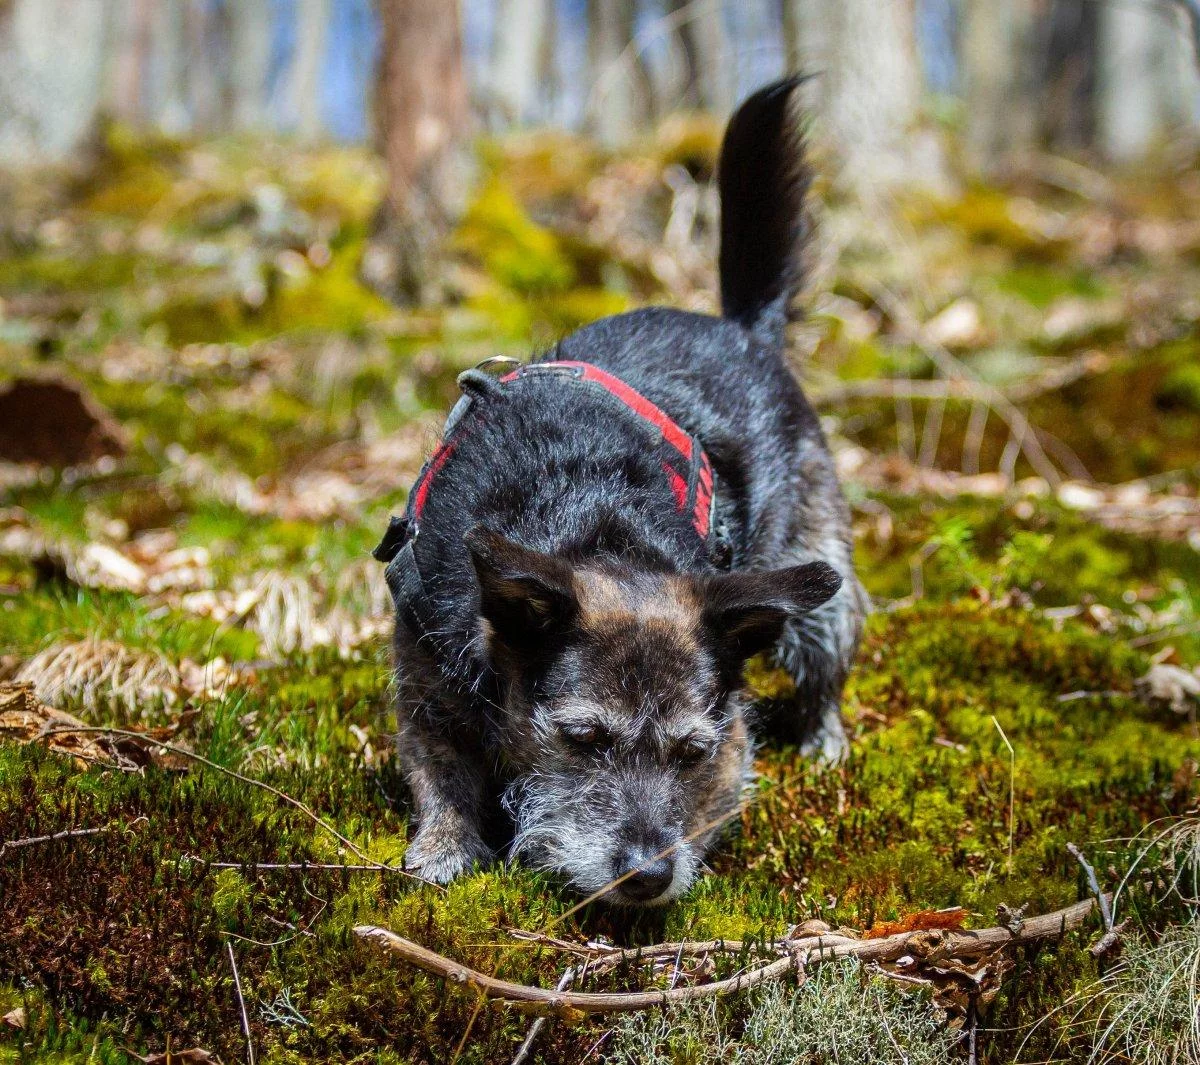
(764, 227)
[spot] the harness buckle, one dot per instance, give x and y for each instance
(400, 531)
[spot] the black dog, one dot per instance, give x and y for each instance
(577, 593)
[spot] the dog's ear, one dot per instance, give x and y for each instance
(525, 596)
(745, 611)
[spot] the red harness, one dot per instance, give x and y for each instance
(686, 466)
(679, 444)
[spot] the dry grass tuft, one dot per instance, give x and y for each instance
(1149, 1004)
(102, 674)
(841, 1014)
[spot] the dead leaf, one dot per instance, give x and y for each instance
(959, 325)
(26, 719)
(920, 921)
(956, 983)
(15, 1018)
(55, 423)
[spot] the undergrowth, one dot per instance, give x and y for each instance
(221, 317)
(841, 1013)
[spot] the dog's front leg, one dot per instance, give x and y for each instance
(447, 782)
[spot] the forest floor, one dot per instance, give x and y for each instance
(251, 416)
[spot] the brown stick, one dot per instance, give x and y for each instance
(566, 1005)
(798, 954)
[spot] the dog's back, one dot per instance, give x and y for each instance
(727, 381)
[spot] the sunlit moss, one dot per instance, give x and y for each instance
(517, 253)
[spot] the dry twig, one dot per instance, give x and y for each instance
(237, 986)
(69, 833)
(796, 956)
(1111, 940)
(960, 388)
(1023, 438)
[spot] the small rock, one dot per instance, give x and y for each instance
(958, 326)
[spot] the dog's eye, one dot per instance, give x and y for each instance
(691, 750)
(586, 737)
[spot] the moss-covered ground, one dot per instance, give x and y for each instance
(208, 296)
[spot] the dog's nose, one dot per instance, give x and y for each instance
(649, 876)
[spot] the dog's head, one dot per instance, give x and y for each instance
(622, 715)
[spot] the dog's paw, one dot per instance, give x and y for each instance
(828, 742)
(440, 856)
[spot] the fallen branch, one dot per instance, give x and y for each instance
(797, 955)
(1191, 9)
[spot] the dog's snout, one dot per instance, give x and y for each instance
(647, 874)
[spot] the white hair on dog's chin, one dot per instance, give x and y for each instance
(580, 851)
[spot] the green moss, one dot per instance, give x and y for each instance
(987, 217)
(1181, 388)
(279, 427)
(231, 898)
(121, 939)
(1041, 285)
(918, 818)
(516, 253)
(68, 272)
(52, 614)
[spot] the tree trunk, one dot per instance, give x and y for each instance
(999, 52)
(806, 42)
(869, 94)
(549, 75)
(422, 114)
(168, 92)
(704, 41)
(132, 61)
(1147, 82)
(208, 66)
(1068, 94)
(518, 41)
(51, 71)
(308, 62)
(250, 32)
(620, 94)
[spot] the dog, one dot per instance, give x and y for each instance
(602, 540)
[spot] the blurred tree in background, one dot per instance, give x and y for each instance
(422, 112)
(207, 419)
(1112, 76)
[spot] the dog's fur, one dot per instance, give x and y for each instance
(584, 665)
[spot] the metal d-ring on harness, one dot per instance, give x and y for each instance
(688, 471)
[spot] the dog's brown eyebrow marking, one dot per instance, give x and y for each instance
(605, 603)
